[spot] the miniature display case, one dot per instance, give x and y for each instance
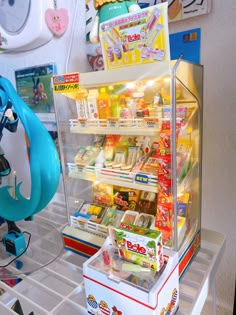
(130, 149)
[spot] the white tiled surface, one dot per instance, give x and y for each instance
(58, 288)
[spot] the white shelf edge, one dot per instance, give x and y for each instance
(112, 181)
(117, 75)
(118, 131)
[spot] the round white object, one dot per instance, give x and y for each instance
(22, 24)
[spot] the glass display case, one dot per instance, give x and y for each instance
(130, 149)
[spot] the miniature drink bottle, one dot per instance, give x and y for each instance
(115, 106)
(104, 104)
(92, 104)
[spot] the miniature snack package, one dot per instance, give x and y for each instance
(140, 246)
(86, 156)
(183, 204)
(103, 194)
(112, 217)
(129, 217)
(125, 198)
(145, 220)
(89, 212)
(147, 202)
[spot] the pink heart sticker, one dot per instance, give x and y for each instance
(57, 21)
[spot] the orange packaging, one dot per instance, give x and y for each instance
(104, 104)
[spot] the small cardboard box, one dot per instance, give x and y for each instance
(140, 245)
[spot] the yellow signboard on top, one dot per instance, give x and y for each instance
(136, 38)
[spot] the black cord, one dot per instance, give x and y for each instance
(27, 246)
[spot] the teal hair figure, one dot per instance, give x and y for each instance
(44, 162)
(9, 121)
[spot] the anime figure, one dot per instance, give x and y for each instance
(9, 121)
(108, 9)
(44, 164)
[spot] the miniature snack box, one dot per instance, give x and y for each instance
(139, 245)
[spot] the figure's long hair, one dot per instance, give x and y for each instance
(44, 164)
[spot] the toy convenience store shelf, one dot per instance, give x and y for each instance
(58, 288)
(114, 177)
(134, 127)
(149, 126)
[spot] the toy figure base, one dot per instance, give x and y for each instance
(44, 246)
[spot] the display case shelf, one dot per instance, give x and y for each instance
(100, 78)
(122, 178)
(149, 126)
(111, 176)
(126, 127)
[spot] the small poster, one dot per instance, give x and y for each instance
(187, 44)
(33, 85)
(136, 38)
(181, 9)
(66, 83)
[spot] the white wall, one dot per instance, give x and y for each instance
(218, 56)
(68, 52)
